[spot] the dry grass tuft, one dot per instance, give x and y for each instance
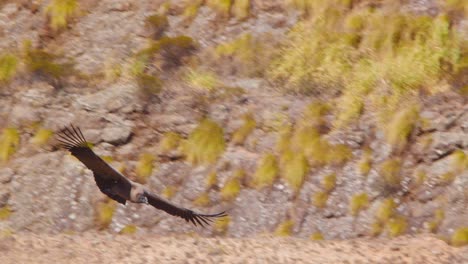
(266, 173)
(205, 144)
(284, 228)
(9, 142)
(358, 203)
(144, 167)
(241, 134)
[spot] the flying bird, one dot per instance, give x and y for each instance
(117, 186)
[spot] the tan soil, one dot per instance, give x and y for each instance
(105, 248)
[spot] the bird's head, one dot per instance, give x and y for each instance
(142, 198)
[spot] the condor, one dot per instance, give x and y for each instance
(117, 186)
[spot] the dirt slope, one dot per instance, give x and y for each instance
(104, 248)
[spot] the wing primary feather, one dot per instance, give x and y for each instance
(81, 134)
(70, 143)
(72, 135)
(69, 137)
(78, 134)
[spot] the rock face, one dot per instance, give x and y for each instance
(49, 191)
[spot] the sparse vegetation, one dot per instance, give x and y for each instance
(169, 192)
(344, 47)
(202, 200)
(459, 160)
(316, 236)
(149, 85)
(5, 212)
(358, 203)
(9, 142)
(401, 126)
(156, 25)
(144, 167)
(266, 173)
(397, 226)
(222, 7)
(241, 9)
(365, 164)
(211, 180)
(294, 169)
(221, 225)
(386, 210)
(60, 12)
(8, 67)
(246, 55)
(390, 172)
(41, 136)
(202, 80)
(231, 189)
(319, 199)
(170, 141)
(105, 213)
(205, 144)
(45, 64)
(460, 237)
(329, 182)
(128, 230)
(284, 228)
(241, 134)
(439, 216)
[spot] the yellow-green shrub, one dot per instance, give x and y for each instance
(358, 203)
(170, 141)
(267, 171)
(9, 142)
(169, 192)
(211, 180)
(8, 67)
(390, 172)
(221, 225)
(144, 167)
(149, 85)
(205, 144)
(367, 53)
(294, 169)
(5, 212)
(329, 182)
(60, 12)
(203, 80)
(241, 9)
(222, 7)
(319, 199)
(39, 61)
(439, 216)
(364, 164)
(460, 237)
(156, 24)
(316, 236)
(248, 54)
(459, 160)
(284, 228)
(401, 126)
(397, 226)
(231, 189)
(41, 136)
(239, 136)
(128, 230)
(105, 213)
(202, 200)
(385, 210)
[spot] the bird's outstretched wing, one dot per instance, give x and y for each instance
(188, 215)
(72, 139)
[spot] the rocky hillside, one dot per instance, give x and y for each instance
(299, 118)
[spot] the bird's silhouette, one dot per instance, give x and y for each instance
(118, 187)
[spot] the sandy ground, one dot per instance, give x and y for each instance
(105, 248)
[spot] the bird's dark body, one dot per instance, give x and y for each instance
(116, 186)
(116, 189)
